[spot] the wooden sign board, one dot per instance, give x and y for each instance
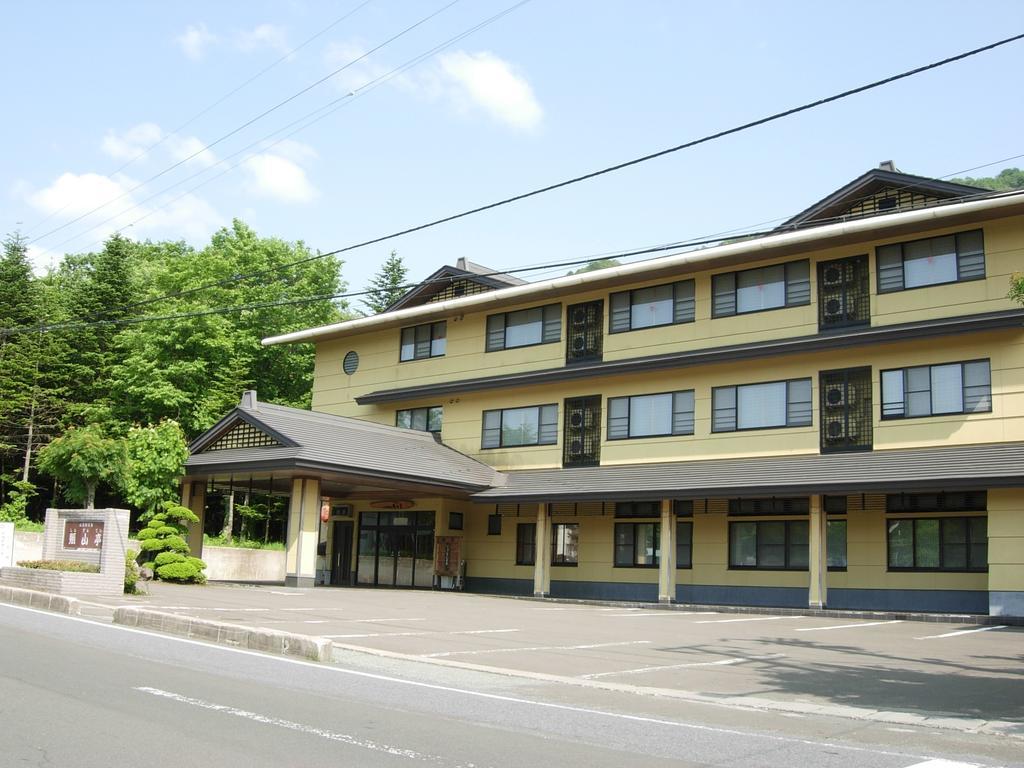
(447, 555)
(83, 535)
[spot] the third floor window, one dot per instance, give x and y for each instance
(420, 342)
(654, 306)
(524, 328)
(754, 290)
(932, 261)
(761, 406)
(670, 413)
(931, 390)
(511, 427)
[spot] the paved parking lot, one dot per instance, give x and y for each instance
(882, 664)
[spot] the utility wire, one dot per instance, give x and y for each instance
(610, 169)
(332, 106)
(215, 104)
(249, 122)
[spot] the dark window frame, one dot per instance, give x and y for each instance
(634, 527)
(427, 409)
(551, 318)
(430, 341)
(945, 501)
(641, 509)
(689, 315)
(931, 400)
(719, 287)
(837, 521)
(671, 433)
(526, 546)
(494, 524)
(736, 417)
(555, 533)
(786, 546)
(455, 521)
(501, 427)
(688, 522)
(959, 256)
(940, 544)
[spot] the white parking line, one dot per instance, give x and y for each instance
(533, 648)
(649, 614)
(960, 632)
(370, 621)
(480, 631)
(719, 663)
(755, 618)
(940, 763)
(848, 626)
(378, 634)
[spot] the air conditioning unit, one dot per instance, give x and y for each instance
(838, 431)
(834, 275)
(835, 396)
(576, 447)
(579, 316)
(834, 307)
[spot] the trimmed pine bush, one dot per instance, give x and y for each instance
(166, 551)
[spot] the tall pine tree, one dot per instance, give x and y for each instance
(388, 285)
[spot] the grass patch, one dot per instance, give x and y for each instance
(28, 525)
(239, 543)
(60, 565)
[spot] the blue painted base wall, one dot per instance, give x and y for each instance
(1002, 603)
(770, 597)
(926, 600)
(605, 590)
(489, 586)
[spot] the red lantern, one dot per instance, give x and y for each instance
(325, 511)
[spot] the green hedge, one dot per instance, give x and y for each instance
(60, 565)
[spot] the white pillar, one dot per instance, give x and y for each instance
(667, 563)
(817, 555)
(303, 535)
(542, 553)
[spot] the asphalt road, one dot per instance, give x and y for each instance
(80, 693)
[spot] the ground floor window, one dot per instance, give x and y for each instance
(938, 544)
(835, 545)
(565, 542)
(526, 543)
(768, 544)
(396, 549)
(637, 545)
(684, 544)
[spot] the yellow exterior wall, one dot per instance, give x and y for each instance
(1006, 540)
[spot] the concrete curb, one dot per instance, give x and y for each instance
(250, 638)
(43, 601)
(942, 721)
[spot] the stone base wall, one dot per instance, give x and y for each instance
(237, 564)
(63, 582)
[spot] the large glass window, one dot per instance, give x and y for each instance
(565, 543)
(684, 544)
(650, 307)
(422, 341)
(637, 545)
(761, 406)
(938, 544)
(754, 290)
(511, 427)
(931, 261)
(835, 544)
(670, 413)
(423, 419)
(526, 543)
(768, 544)
(524, 328)
(930, 390)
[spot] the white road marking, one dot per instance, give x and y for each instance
(314, 621)
(940, 763)
(277, 722)
(480, 631)
(755, 618)
(960, 632)
(201, 608)
(533, 648)
(321, 668)
(719, 663)
(393, 618)
(287, 594)
(379, 634)
(648, 614)
(848, 626)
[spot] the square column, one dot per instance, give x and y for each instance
(667, 563)
(817, 555)
(303, 532)
(542, 554)
(193, 496)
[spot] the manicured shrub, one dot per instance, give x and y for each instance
(60, 565)
(131, 572)
(165, 548)
(146, 533)
(166, 558)
(185, 572)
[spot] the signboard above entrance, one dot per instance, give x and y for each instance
(396, 504)
(83, 535)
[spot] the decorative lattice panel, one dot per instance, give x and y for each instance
(458, 288)
(243, 436)
(890, 200)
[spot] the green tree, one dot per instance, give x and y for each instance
(1006, 180)
(155, 459)
(164, 546)
(81, 459)
(388, 285)
(598, 264)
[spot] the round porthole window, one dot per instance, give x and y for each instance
(350, 363)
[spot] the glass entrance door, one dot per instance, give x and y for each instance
(396, 549)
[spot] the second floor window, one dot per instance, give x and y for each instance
(754, 290)
(524, 328)
(670, 413)
(931, 261)
(650, 307)
(930, 390)
(423, 419)
(511, 427)
(420, 342)
(761, 406)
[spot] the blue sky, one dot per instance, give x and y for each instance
(554, 89)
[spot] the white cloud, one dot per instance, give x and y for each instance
(263, 36)
(70, 195)
(486, 81)
(194, 40)
(139, 138)
(355, 75)
(277, 177)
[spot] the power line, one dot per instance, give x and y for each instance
(215, 104)
(249, 122)
(331, 107)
